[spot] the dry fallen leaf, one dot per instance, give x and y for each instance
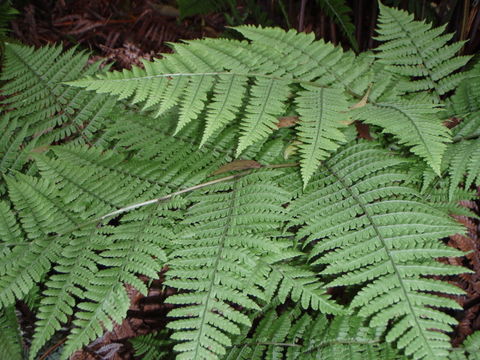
(363, 101)
(287, 121)
(40, 149)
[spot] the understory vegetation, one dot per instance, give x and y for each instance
(232, 170)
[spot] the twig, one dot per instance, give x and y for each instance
(301, 21)
(52, 349)
(169, 196)
(192, 188)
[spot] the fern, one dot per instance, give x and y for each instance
(370, 227)
(7, 13)
(224, 68)
(186, 171)
(10, 336)
(216, 259)
(297, 335)
(414, 123)
(461, 160)
(415, 49)
(152, 346)
(39, 101)
(338, 11)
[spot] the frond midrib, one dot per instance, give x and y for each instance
(216, 73)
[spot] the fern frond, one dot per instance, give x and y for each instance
(7, 13)
(469, 349)
(41, 215)
(227, 80)
(300, 284)
(338, 11)
(95, 267)
(306, 59)
(266, 99)
(321, 112)
(465, 104)
(367, 225)
(108, 304)
(465, 159)
(227, 234)
(40, 101)
(75, 267)
(92, 181)
(177, 159)
(12, 141)
(135, 247)
(415, 49)
(297, 335)
(227, 100)
(10, 336)
(152, 346)
(415, 124)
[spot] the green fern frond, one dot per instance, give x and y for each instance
(227, 235)
(108, 305)
(308, 60)
(321, 111)
(465, 104)
(12, 140)
(416, 50)
(177, 159)
(76, 266)
(367, 225)
(41, 216)
(227, 80)
(152, 346)
(10, 336)
(298, 283)
(465, 159)
(94, 265)
(338, 11)
(414, 123)
(94, 268)
(469, 349)
(135, 247)
(7, 13)
(297, 335)
(40, 101)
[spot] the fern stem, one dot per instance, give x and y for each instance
(220, 73)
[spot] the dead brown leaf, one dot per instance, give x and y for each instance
(287, 121)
